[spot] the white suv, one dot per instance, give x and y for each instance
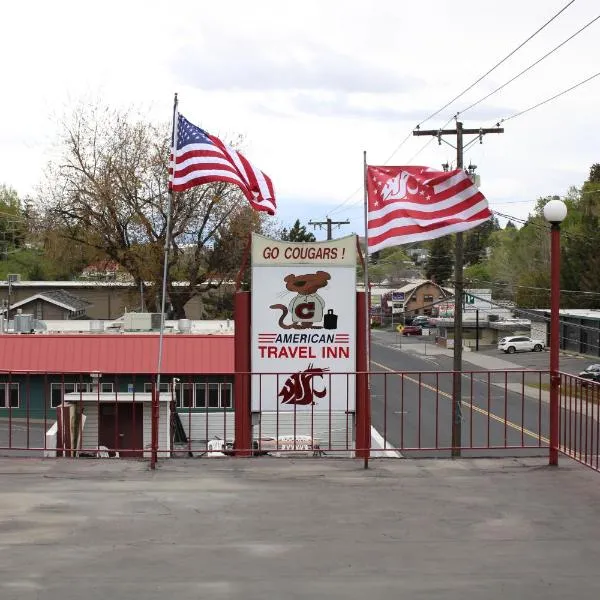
(520, 343)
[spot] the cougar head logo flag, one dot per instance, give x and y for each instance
(299, 387)
(396, 187)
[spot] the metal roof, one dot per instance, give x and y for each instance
(120, 354)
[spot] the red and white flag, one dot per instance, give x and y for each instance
(204, 158)
(410, 204)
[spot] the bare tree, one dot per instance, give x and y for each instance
(109, 191)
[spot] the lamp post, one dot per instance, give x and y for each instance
(555, 212)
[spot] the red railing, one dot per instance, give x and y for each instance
(580, 420)
(409, 413)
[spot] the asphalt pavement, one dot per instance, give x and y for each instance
(414, 410)
(298, 529)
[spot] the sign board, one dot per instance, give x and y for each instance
(303, 339)
(398, 296)
(481, 299)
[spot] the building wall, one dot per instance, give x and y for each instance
(90, 429)
(35, 391)
(107, 302)
(49, 311)
(416, 304)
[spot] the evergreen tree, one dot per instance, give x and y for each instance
(297, 233)
(440, 262)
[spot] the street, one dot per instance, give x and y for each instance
(413, 410)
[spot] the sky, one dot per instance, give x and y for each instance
(312, 85)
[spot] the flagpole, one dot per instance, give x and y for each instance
(166, 253)
(367, 298)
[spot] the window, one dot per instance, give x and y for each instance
(9, 395)
(184, 395)
(58, 390)
(427, 298)
(226, 395)
(213, 395)
(164, 387)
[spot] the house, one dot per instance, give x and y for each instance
(50, 304)
(109, 378)
(105, 270)
(107, 299)
(417, 297)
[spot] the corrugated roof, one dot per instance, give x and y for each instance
(182, 354)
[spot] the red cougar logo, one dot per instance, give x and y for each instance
(298, 388)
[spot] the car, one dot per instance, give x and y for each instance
(412, 330)
(591, 373)
(520, 343)
(421, 321)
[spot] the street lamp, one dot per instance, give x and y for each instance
(555, 212)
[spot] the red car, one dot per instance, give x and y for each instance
(412, 330)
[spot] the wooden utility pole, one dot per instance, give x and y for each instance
(459, 132)
(329, 224)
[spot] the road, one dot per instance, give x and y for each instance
(414, 410)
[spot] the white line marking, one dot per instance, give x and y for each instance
(378, 441)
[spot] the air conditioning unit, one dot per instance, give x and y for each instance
(13, 278)
(141, 321)
(24, 323)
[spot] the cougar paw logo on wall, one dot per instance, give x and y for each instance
(306, 307)
(299, 387)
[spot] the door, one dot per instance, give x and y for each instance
(121, 427)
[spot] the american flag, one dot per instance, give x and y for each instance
(204, 158)
(410, 204)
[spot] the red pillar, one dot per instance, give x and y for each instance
(554, 343)
(242, 378)
(363, 398)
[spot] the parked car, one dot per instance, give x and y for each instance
(421, 321)
(520, 343)
(591, 373)
(412, 330)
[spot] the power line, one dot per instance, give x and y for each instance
(522, 112)
(496, 65)
(409, 135)
(539, 60)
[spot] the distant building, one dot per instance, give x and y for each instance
(49, 304)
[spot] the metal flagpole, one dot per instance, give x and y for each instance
(367, 296)
(164, 284)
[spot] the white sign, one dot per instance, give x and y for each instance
(303, 325)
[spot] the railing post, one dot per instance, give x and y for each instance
(363, 404)
(242, 378)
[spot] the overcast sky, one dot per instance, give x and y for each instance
(311, 85)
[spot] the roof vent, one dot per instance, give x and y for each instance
(96, 326)
(185, 326)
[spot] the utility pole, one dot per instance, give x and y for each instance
(329, 224)
(459, 132)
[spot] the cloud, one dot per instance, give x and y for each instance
(250, 67)
(349, 106)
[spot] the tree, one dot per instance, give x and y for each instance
(477, 241)
(297, 233)
(440, 261)
(108, 191)
(13, 222)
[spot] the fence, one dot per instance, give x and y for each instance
(405, 413)
(580, 420)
